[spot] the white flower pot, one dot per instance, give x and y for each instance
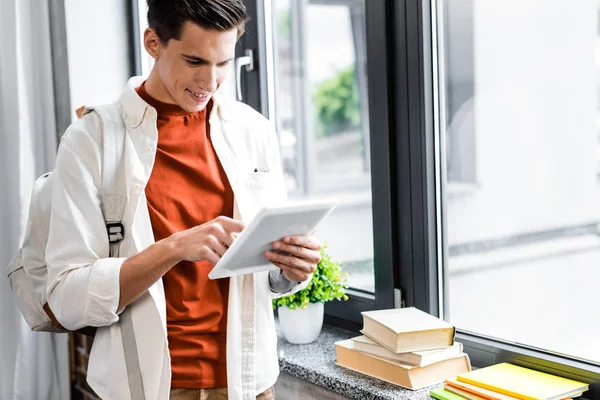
(301, 326)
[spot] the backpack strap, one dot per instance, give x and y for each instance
(114, 199)
(113, 182)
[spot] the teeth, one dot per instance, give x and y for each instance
(200, 96)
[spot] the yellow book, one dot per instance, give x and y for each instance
(523, 383)
(484, 393)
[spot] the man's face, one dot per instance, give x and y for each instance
(192, 69)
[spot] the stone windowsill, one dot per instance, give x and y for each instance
(315, 363)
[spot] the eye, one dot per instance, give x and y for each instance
(193, 63)
(224, 63)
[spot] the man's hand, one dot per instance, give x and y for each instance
(203, 242)
(208, 241)
(297, 256)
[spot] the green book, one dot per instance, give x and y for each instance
(443, 394)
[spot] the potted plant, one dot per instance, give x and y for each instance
(301, 314)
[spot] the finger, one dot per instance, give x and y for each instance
(230, 225)
(295, 276)
(291, 273)
(227, 239)
(211, 256)
(312, 256)
(219, 232)
(218, 246)
(290, 261)
(309, 242)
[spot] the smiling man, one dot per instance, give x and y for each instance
(191, 157)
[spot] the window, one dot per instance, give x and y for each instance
(322, 118)
(523, 246)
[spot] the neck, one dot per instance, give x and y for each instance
(155, 88)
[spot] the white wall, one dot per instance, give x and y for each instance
(535, 111)
(99, 50)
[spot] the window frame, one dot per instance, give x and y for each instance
(348, 314)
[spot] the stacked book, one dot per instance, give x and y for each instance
(404, 346)
(508, 382)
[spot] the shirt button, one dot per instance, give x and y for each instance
(137, 186)
(134, 120)
(148, 150)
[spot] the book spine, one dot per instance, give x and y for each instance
(495, 389)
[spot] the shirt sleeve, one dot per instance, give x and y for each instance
(281, 286)
(83, 281)
(279, 283)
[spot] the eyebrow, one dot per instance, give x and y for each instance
(201, 60)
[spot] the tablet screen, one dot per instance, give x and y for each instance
(270, 224)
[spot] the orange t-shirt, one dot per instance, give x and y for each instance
(188, 187)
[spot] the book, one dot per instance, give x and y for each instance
(523, 383)
(409, 329)
(463, 393)
(443, 394)
(407, 376)
(479, 391)
(418, 358)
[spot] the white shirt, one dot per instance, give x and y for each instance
(83, 282)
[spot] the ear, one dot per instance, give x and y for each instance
(152, 43)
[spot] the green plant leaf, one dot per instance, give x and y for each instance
(337, 104)
(328, 283)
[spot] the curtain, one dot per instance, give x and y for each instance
(33, 365)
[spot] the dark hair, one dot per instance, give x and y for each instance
(167, 17)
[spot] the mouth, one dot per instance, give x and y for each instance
(198, 96)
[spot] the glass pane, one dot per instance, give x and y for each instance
(520, 117)
(321, 114)
(333, 86)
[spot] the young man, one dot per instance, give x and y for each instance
(190, 161)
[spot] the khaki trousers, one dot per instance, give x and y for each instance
(214, 394)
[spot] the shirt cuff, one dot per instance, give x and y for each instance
(104, 292)
(279, 283)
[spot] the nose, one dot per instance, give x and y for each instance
(207, 78)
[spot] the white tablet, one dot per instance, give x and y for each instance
(247, 253)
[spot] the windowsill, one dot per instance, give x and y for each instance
(315, 363)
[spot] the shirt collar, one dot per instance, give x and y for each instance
(135, 109)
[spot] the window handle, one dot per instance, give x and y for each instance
(246, 62)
